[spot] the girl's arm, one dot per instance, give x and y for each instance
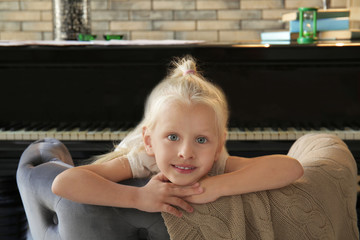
(244, 175)
(97, 185)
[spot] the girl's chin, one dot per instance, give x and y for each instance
(182, 182)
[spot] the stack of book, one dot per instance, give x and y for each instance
(332, 24)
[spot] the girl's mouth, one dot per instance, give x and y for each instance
(184, 169)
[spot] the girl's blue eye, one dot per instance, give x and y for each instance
(201, 140)
(173, 137)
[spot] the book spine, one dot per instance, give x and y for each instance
(325, 24)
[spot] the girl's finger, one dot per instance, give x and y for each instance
(172, 210)
(178, 202)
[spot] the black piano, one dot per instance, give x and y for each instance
(90, 95)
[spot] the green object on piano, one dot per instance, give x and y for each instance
(86, 37)
(307, 25)
(115, 37)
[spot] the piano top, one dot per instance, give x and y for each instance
(62, 52)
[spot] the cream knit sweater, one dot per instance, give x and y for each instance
(320, 205)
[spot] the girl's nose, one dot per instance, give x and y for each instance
(186, 151)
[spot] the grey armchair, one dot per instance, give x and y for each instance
(52, 217)
(327, 191)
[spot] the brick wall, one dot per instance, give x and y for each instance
(210, 20)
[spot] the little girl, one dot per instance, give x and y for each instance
(181, 143)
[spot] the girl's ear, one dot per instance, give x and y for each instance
(147, 141)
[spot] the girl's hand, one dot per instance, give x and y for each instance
(209, 194)
(159, 195)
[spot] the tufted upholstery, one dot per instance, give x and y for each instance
(52, 217)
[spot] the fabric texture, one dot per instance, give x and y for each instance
(319, 205)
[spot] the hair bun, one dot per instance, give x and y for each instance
(190, 71)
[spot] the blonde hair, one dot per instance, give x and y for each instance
(184, 84)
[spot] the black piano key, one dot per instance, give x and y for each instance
(115, 126)
(33, 126)
(62, 126)
(329, 126)
(15, 126)
(101, 126)
(84, 126)
(355, 126)
(93, 126)
(70, 126)
(50, 125)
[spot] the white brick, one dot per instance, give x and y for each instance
(239, 14)
(217, 4)
(238, 36)
(37, 26)
(99, 5)
(261, 4)
(21, 36)
(294, 4)
(152, 35)
(10, 26)
(151, 15)
(340, 3)
(109, 15)
(130, 5)
(100, 26)
(36, 5)
(195, 15)
(130, 25)
(174, 25)
(20, 15)
(262, 24)
(211, 36)
(9, 5)
(275, 14)
(47, 36)
(46, 15)
(218, 25)
(174, 5)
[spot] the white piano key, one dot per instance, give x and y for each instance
(66, 135)
(106, 134)
(356, 135)
(232, 134)
(51, 133)
(90, 135)
(124, 133)
(291, 133)
(74, 134)
(270, 134)
(82, 135)
(349, 133)
(258, 134)
(3, 135)
(42, 134)
(249, 134)
(282, 134)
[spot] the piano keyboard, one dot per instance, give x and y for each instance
(116, 132)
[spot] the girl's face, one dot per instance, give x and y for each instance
(184, 141)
